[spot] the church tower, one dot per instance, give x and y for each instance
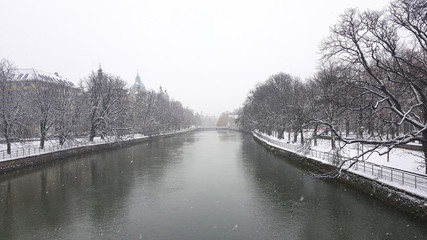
(138, 86)
(100, 76)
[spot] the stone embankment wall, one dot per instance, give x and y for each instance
(15, 164)
(408, 202)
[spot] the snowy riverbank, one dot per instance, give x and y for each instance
(402, 171)
(30, 148)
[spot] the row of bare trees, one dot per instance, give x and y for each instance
(154, 112)
(101, 106)
(370, 88)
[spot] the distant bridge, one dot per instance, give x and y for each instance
(218, 128)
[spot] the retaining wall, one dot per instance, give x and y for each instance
(15, 164)
(408, 202)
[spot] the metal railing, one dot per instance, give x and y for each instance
(394, 175)
(35, 150)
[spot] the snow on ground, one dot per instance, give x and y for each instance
(399, 158)
(408, 160)
(35, 143)
(30, 147)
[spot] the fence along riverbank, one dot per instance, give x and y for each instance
(408, 195)
(401, 179)
(32, 155)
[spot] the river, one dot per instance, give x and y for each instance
(201, 185)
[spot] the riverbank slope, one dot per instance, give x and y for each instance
(32, 156)
(413, 202)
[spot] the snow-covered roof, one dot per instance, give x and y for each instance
(31, 74)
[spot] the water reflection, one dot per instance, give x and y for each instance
(205, 185)
(300, 206)
(80, 193)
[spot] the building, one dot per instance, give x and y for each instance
(42, 92)
(27, 77)
(138, 86)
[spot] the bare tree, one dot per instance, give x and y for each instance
(390, 72)
(42, 103)
(108, 102)
(146, 113)
(68, 109)
(153, 112)
(279, 104)
(11, 103)
(330, 97)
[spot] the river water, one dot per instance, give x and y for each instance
(202, 185)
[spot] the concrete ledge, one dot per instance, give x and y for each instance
(405, 201)
(11, 165)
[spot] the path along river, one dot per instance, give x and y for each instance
(201, 185)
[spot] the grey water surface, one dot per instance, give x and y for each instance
(202, 185)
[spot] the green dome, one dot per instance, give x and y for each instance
(138, 86)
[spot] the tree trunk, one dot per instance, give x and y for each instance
(370, 125)
(359, 131)
(42, 140)
(315, 135)
(295, 136)
(281, 133)
(8, 148)
(347, 127)
(392, 132)
(61, 139)
(302, 136)
(333, 145)
(424, 144)
(92, 134)
(42, 135)
(6, 136)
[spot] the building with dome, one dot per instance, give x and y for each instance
(138, 86)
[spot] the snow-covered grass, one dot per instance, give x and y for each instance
(31, 146)
(408, 160)
(403, 170)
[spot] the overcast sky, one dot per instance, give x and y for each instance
(207, 54)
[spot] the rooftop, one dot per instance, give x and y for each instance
(31, 74)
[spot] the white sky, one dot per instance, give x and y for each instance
(207, 54)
